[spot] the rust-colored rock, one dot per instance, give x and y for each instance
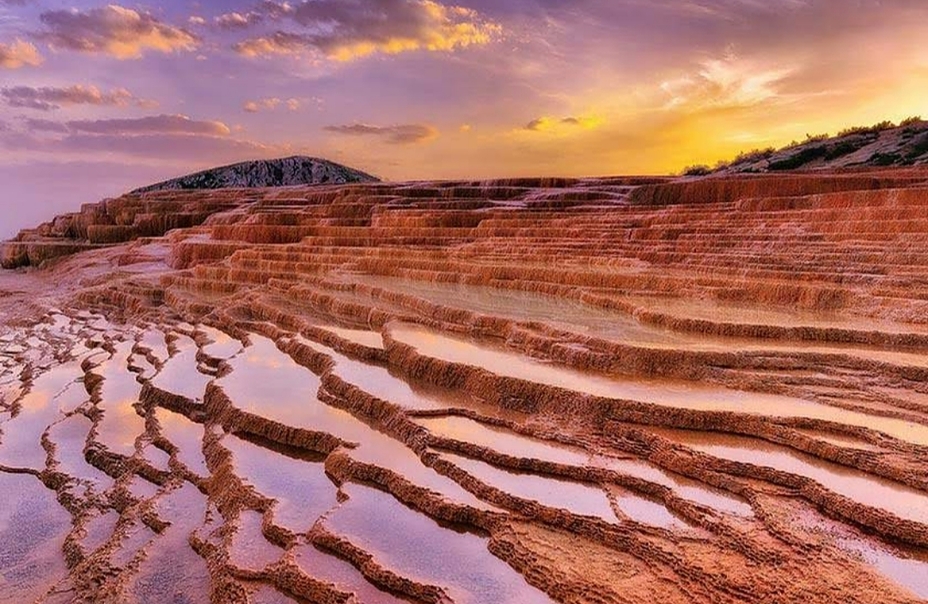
(526, 390)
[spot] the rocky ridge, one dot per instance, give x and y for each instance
(284, 172)
(884, 144)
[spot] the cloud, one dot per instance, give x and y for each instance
(541, 123)
(271, 104)
(196, 21)
(725, 83)
(256, 106)
(120, 32)
(547, 124)
(236, 20)
(50, 98)
(181, 150)
(40, 125)
(157, 124)
(172, 138)
(276, 10)
(279, 43)
(166, 145)
(348, 30)
(19, 54)
(403, 134)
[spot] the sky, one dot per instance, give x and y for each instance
(99, 98)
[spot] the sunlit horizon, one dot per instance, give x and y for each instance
(96, 99)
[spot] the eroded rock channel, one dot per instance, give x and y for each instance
(605, 390)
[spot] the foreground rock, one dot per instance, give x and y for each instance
(609, 390)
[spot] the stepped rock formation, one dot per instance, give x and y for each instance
(284, 172)
(532, 390)
(118, 220)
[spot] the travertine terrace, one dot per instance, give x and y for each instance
(609, 390)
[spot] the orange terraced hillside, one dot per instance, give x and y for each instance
(603, 390)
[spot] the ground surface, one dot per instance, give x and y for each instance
(613, 390)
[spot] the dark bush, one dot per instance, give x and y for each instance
(816, 138)
(846, 147)
(885, 159)
(752, 156)
(797, 160)
(874, 129)
(699, 170)
(919, 148)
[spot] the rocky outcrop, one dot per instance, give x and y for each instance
(884, 144)
(284, 172)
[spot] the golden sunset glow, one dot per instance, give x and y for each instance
(428, 89)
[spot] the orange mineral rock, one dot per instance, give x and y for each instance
(528, 390)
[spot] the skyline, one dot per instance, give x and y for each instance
(99, 98)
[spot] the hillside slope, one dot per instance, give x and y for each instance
(883, 144)
(287, 171)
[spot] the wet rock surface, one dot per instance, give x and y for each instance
(604, 390)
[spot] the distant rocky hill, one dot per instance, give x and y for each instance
(288, 171)
(883, 144)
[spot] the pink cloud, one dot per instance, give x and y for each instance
(120, 32)
(19, 54)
